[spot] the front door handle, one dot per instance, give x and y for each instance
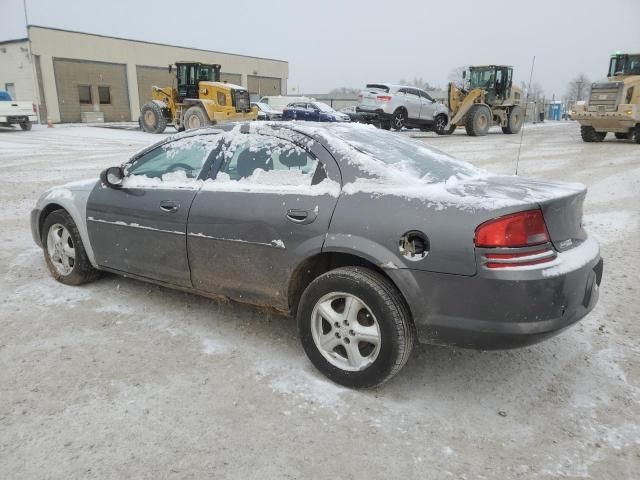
(169, 206)
(301, 216)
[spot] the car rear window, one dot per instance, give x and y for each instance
(378, 86)
(396, 154)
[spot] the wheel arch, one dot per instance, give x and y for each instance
(314, 266)
(74, 202)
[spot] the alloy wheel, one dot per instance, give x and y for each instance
(60, 249)
(345, 331)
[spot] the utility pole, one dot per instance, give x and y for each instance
(34, 71)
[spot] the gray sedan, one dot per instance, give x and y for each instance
(371, 240)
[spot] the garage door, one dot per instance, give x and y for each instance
(264, 85)
(234, 78)
(153, 76)
(91, 86)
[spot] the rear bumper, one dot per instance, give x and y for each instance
(372, 115)
(498, 313)
(16, 119)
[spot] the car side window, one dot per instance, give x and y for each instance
(412, 91)
(259, 159)
(181, 160)
(425, 95)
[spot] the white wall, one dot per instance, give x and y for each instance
(16, 68)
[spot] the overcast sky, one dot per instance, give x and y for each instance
(334, 43)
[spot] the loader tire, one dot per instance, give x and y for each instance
(152, 119)
(478, 120)
(514, 122)
(589, 135)
(624, 135)
(637, 134)
(196, 117)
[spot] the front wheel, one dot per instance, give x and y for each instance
(589, 134)
(478, 120)
(64, 251)
(26, 126)
(152, 118)
(355, 327)
(440, 126)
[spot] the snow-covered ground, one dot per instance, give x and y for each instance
(121, 379)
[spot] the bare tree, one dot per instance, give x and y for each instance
(579, 88)
(536, 92)
(455, 75)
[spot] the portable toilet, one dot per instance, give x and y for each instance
(555, 110)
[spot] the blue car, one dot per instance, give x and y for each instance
(313, 112)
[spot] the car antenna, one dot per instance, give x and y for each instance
(533, 62)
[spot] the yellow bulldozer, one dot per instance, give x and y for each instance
(614, 103)
(198, 100)
(488, 98)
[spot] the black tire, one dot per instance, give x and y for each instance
(440, 125)
(82, 271)
(390, 314)
(514, 121)
(478, 120)
(26, 126)
(636, 135)
(195, 117)
(152, 118)
(624, 135)
(589, 135)
(399, 119)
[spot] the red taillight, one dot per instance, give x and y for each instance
(384, 98)
(522, 229)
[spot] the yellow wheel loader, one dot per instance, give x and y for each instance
(200, 99)
(614, 103)
(489, 98)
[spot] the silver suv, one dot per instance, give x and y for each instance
(397, 106)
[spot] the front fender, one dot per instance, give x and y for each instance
(73, 198)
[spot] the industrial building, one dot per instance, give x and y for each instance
(75, 76)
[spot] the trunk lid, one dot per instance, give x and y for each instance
(561, 203)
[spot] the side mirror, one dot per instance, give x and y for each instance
(170, 68)
(112, 177)
(464, 74)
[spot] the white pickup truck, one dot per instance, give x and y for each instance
(16, 113)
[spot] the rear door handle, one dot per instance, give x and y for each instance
(301, 216)
(169, 206)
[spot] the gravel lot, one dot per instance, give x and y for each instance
(121, 379)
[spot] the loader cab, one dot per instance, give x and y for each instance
(624, 64)
(495, 80)
(189, 74)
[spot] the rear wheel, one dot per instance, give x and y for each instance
(637, 133)
(478, 120)
(589, 134)
(624, 135)
(399, 119)
(25, 126)
(152, 119)
(355, 327)
(195, 117)
(64, 251)
(514, 122)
